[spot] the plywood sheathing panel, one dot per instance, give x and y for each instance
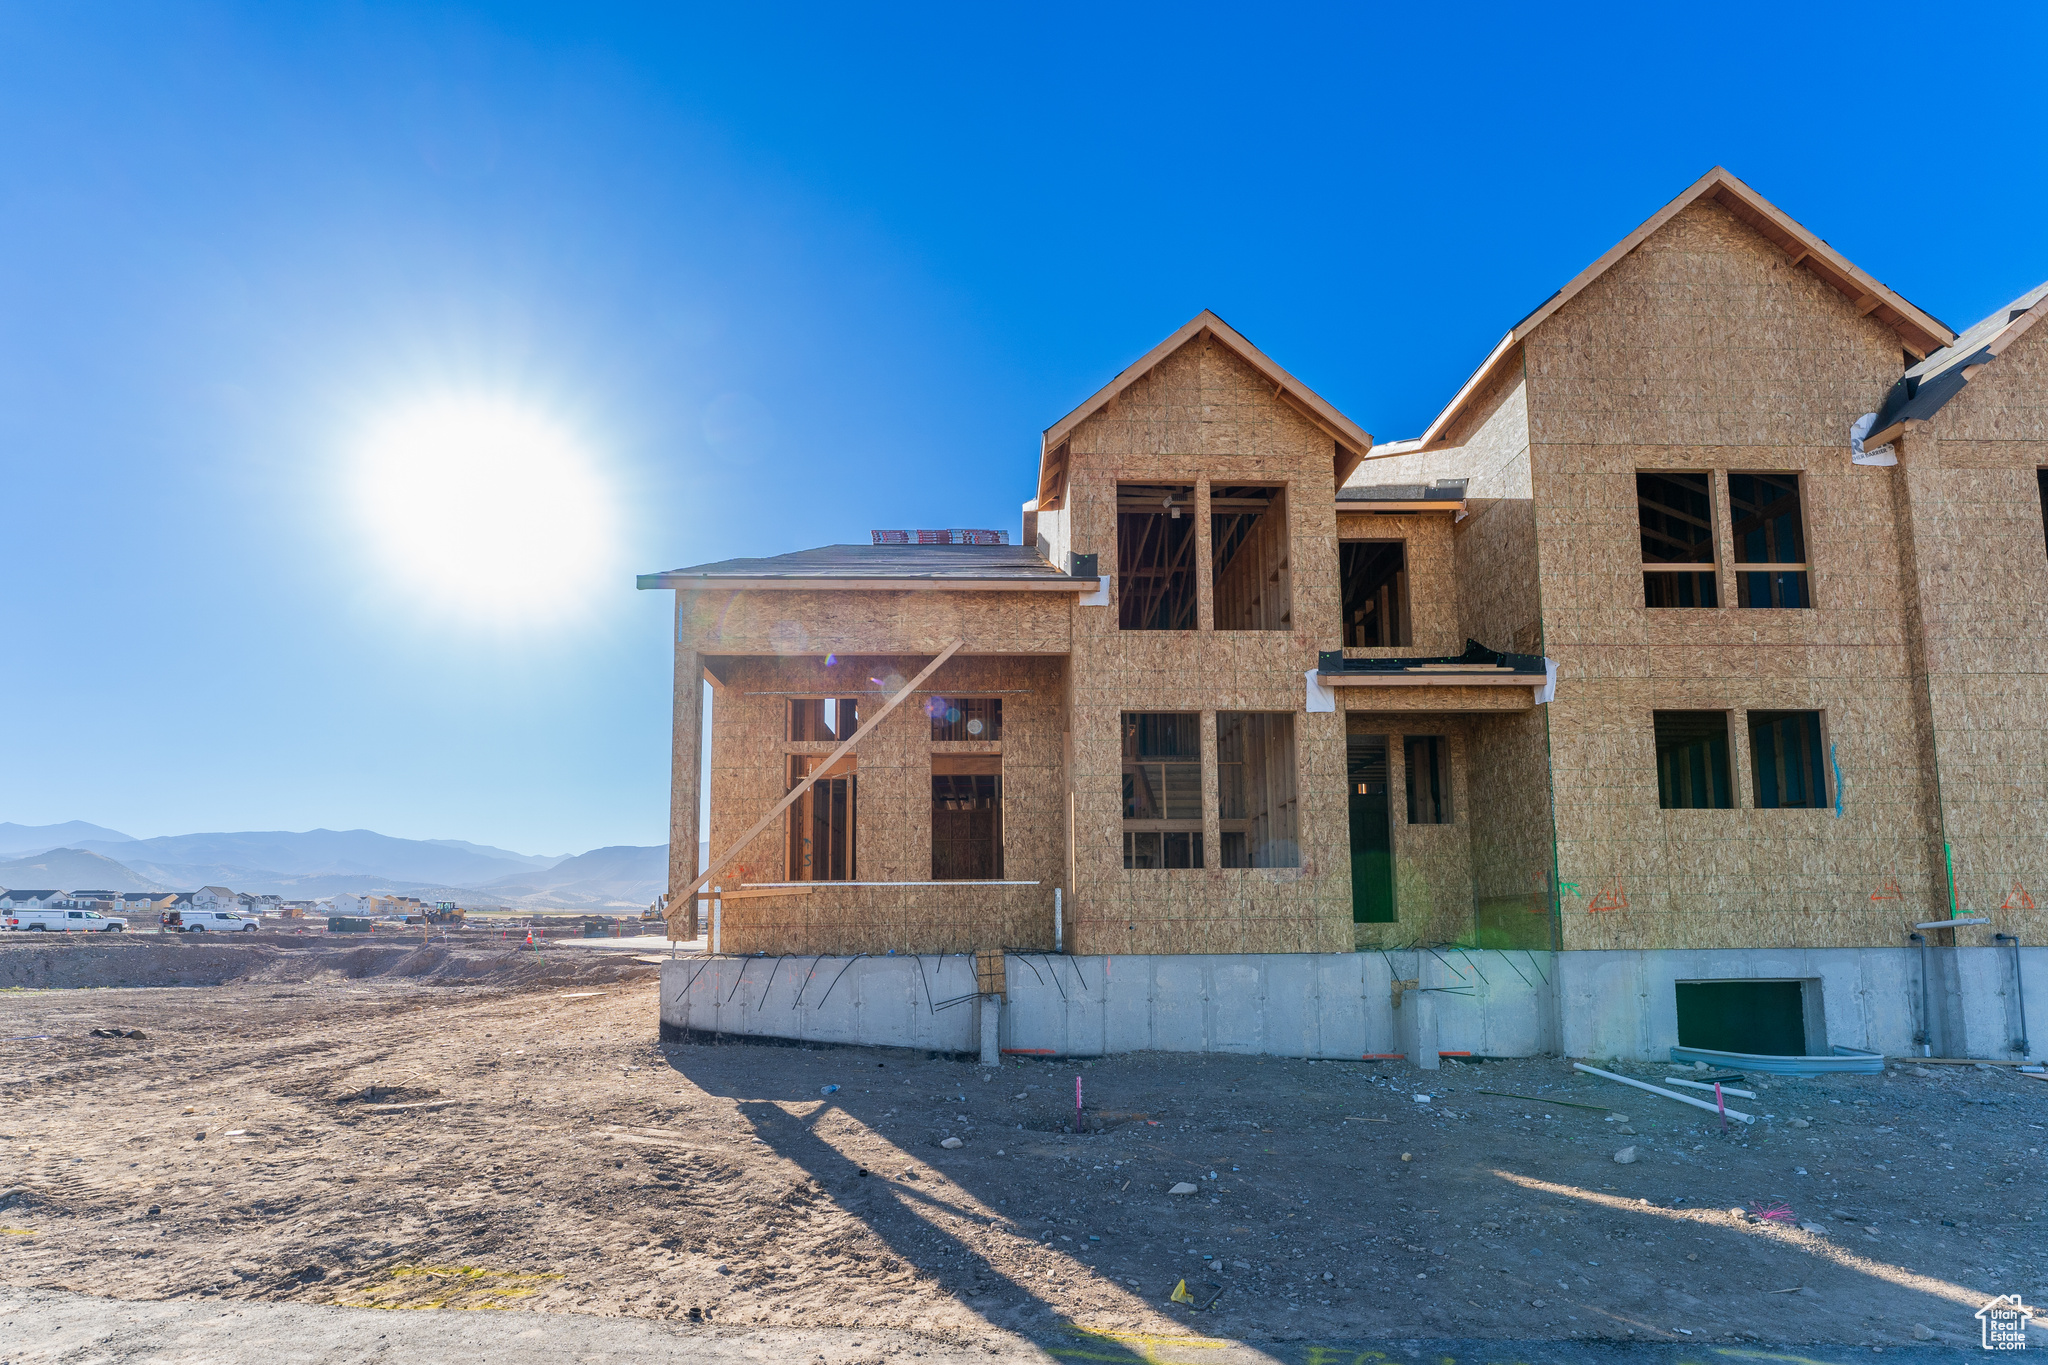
(1980, 587)
(1203, 416)
(827, 622)
(749, 766)
(1704, 349)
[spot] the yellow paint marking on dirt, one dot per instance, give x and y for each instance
(1148, 1345)
(19, 1232)
(448, 1286)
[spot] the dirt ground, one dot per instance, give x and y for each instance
(490, 1129)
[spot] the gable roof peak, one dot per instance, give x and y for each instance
(1351, 441)
(1918, 331)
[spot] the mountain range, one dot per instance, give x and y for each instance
(324, 862)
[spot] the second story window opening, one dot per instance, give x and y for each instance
(1675, 511)
(969, 718)
(1770, 540)
(1155, 556)
(832, 718)
(1248, 549)
(1374, 576)
(1162, 780)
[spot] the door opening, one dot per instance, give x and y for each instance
(1372, 835)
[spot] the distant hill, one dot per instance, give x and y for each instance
(622, 876)
(530, 859)
(20, 840)
(315, 852)
(324, 862)
(73, 869)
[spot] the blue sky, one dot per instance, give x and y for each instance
(786, 276)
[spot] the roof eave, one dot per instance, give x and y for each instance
(821, 583)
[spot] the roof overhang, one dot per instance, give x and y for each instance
(1904, 410)
(1396, 506)
(711, 583)
(1351, 442)
(1918, 331)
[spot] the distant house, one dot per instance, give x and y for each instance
(216, 898)
(348, 903)
(95, 899)
(35, 900)
(260, 905)
(141, 902)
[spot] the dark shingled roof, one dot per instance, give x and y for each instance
(1443, 490)
(908, 563)
(1926, 388)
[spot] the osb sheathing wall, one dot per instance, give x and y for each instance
(1705, 349)
(1969, 480)
(749, 767)
(1204, 416)
(1499, 603)
(793, 623)
(1432, 604)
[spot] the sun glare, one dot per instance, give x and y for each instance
(486, 508)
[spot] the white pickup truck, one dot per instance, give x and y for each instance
(65, 921)
(200, 921)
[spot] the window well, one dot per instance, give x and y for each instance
(1764, 1018)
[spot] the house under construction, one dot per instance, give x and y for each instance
(1684, 682)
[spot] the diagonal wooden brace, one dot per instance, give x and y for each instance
(684, 902)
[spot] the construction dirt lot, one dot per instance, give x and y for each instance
(474, 1127)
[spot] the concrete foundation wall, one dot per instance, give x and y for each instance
(1622, 1003)
(1283, 1004)
(1619, 1003)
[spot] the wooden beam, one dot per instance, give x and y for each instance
(681, 899)
(1867, 305)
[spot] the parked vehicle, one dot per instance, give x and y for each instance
(65, 921)
(203, 921)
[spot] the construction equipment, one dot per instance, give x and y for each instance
(444, 912)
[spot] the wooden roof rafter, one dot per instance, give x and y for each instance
(1919, 332)
(1350, 442)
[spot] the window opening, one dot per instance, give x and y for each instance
(2042, 476)
(1248, 553)
(1692, 760)
(1155, 556)
(965, 718)
(824, 717)
(967, 817)
(1162, 776)
(1375, 585)
(1372, 834)
(1770, 540)
(1762, 1018)
(1676, 512)
(821, 821)
(1257, 799)
(1785, 760)
(1427, 760)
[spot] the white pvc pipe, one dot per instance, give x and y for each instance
(1696, 1085)
(1058, 936)
(1735, 1114)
